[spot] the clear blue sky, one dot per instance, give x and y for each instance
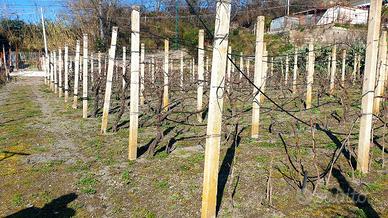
(29, 10)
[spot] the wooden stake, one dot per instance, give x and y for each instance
(201, 53)
(51, 71)
(354, 69)
(66, 73)
(142, 54)
(76, 74)
(135, 65)
(109, 78)
(369, 85)
(213, 139)
(85, 78)
(166, 75)
(310, 75)
(379, 95)
(295, 75)
(257, 76)
(333, 68)
(60, 63)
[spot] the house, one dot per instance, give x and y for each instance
(284, 23)
(344, 15)
(320, 16)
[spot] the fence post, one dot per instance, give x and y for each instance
(310, 75)
(142, 55)
(135, 77)
(76, 74)
(379, 95)
(66, 65)
(213, 139)
(85, 78)
(153, 69)
(60, 64)
(109, 77)
(193, 68)
(333, 68)
(343, 70)
(247, 64)
(369, 85)
(201, 52)
(257, 76)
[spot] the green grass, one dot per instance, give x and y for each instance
(125, 177)
(373, 187)
(162, 184)
(17, 200)
(87, 184)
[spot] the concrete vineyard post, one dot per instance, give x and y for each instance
(379, 95)
(60, 64)
(99, 63)
(369, 85)
(76, 74)
(354, 69)
(229, 69)
(213, 139)
(142, 55)
(152, 69)
(166, 75)
(55, 73)
(66, 73)
(85, 78)
(241, 64)
(263, 73)
(257, 79)
(181, 70)
(333, 68)
(135, 68)
(295, 71)
(201, 69)
(343, 70)
(109, 77)
(287, 70)
(310, 75)
(91, 69)
(47, 62)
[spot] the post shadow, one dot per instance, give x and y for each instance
(56, 208)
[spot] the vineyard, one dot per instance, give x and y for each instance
(233, 123)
